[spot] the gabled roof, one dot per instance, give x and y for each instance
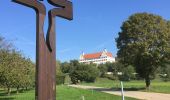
(109, 54)
(96, 55)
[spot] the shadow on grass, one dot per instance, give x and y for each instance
(129, 89)
(4, 96)
(102, 89)
(7, 98)
(117, 89)
(5, 93)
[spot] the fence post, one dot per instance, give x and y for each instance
(83, 98)
(122, 90)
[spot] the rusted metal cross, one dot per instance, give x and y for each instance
(46, 49)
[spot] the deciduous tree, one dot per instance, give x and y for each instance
(143, 43)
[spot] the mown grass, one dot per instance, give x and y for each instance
(156, 86)
(24, 95)
(76, 94)
(64, 93)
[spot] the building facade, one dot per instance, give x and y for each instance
(97, 58)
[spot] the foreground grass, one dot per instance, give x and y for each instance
(28, 95)
(65, 93)
(156, 86)
(76, 94)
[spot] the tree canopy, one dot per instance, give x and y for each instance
(144, 43)
(16, 71)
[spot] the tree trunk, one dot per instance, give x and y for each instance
(9, 91)
(147, 81)
(17, 89)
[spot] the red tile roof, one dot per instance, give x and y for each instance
(109, 54)
(96, 55)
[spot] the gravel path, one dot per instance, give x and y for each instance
(133, 94)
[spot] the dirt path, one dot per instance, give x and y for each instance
(133, 94)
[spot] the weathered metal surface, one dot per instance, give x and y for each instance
(46, 50)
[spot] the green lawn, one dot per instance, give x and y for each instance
(69, 93)
(65, 93)
(29, 95)
(156, 86)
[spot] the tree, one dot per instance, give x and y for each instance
(128, 73)
(4, 45)
(168, 49)
(24, 73)
(83, 72)
(143, 43)
(60, 77)
(16, 71)
(110, 66)
(103, 69)
(65, 67)
(8, 65)
(165, 72)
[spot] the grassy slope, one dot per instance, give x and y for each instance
(156, 86)
(66, 93)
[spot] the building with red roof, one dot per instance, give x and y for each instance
(97, 58)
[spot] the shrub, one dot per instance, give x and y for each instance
(165, 72)
(60, 79)
(127, 73)
(111, 77)
(103, 69)
(84, 72)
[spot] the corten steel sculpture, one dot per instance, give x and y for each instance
(46, 50)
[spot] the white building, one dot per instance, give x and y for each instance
(97, 58)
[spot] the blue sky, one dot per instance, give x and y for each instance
(95, 26)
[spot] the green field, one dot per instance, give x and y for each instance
(156, 86)
(64, 93)
(69, 93)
